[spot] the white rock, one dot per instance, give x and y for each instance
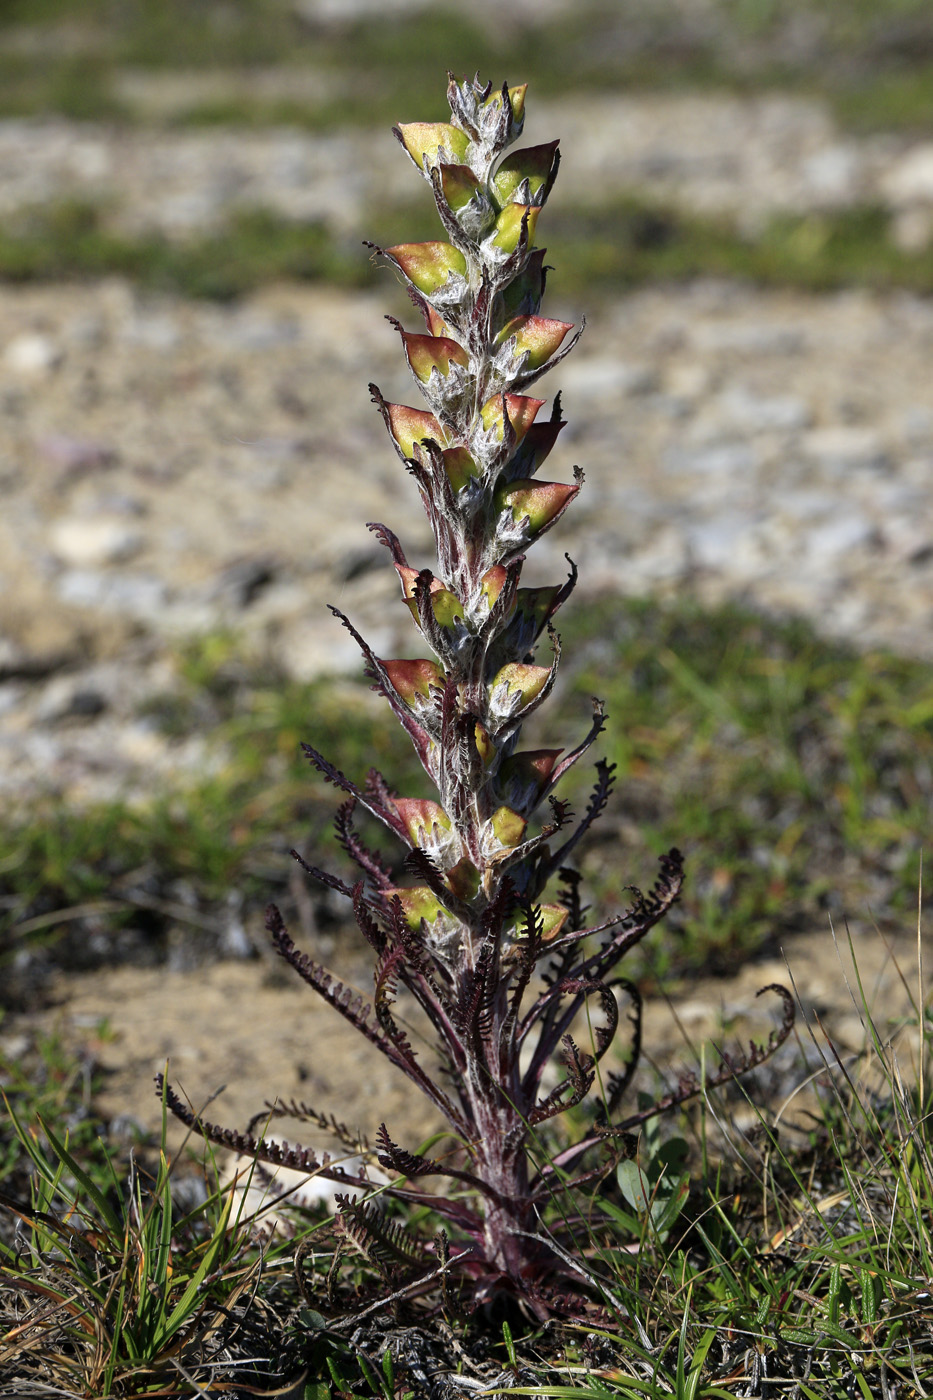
(912, 228)
(689, 380)
(755, 413)
(910, 179)
(832, 175)
(718, 459)
(32, 354)
(748, 337)
(591, 378)
(725, 544)
(264, 1188)
(156, 331)
(664, 558)
(74, 455)
(88, 544)
(134, 595)
(311, 647)
(833, 538)
(62, 696)
(842, 448)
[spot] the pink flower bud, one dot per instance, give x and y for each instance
(414, 680)
(411, 425)
(521, 413)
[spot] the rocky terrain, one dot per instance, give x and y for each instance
(172, 469)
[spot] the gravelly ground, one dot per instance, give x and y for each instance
(171, 468)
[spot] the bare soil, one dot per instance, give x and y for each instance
(254, 1032)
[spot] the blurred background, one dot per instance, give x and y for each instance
(188, 455)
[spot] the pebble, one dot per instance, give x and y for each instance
(74, 456)
(724, 459)
(726, 543)
(586, 378)
(93, 542)
(845, 533)
(140, 596)
(65, 698)
(309, 647)
(740, 409)
(745, 337)
(31, 355)
(842, 449)
(909, 179)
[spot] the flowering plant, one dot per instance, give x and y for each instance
(500, 971)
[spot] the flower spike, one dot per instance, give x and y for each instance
(460, 921)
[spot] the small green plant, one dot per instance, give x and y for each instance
(655, 1185)
(500, 970)
(119, 1292)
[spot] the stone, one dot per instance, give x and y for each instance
(90, 543)
(722, 459)
(847, 531)
(32, 355)
(912, 228)
(832, 175)
(757, 413)
(310, 647)
(585, 378)
(748, 337)
(840, 449)
(68, 697)
(726, 544)
(689, 380)
(664, 558)
(916, 424)
(134, 595)
(241, 582)
(909, 179)
(155, 330)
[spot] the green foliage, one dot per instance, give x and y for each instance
(71, 240)
(771, 752)
(655, 1185)
(631, 243)
(805, 1261)
(47, 1084)
(626, 243)
(870, 59)
(121, 1291)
